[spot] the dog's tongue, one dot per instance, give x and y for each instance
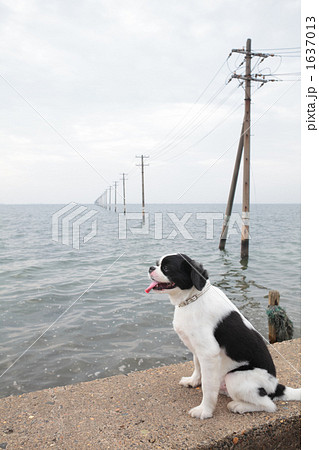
(151, 286)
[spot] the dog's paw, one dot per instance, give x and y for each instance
(199, 412)
(242, 407)
(190, 382)
(237, 407)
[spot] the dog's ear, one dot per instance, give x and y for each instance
(198, 275)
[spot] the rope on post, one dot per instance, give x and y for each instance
(280, 326)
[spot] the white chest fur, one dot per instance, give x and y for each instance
(186, 326)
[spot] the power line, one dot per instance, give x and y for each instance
(207, 134)
(227, 115)
(279, 74)
(229, 148)
(282, 48)
(190, 109)
(194, 128)
(180, 137)
(180, 134)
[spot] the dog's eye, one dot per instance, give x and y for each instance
(164, 268)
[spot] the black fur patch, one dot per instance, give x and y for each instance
(242, 368)
(280, 390)
(243, 344)
(262, 392)
(184, 271)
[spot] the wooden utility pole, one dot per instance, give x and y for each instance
(143, 194)
(105, 199)
(231, 196)
(246, 172)
(110, 197)
(124, 200)
(244, 143)
(115, 191)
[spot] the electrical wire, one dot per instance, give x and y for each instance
(179, 138)
(183, 129)
(282, 48)
(180, 134)
(190, 109)
(228, 149)
(195, 127)
(207, 134)
(212, 130)
(183, 133)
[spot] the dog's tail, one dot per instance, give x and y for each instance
(286, 393)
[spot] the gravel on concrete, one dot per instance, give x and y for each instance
(146, 410)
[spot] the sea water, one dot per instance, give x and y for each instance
(73, 306)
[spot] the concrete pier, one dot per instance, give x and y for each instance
(148, 410)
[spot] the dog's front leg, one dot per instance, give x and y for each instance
(210, 370)
(195, 379)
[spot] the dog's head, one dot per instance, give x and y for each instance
(177, 271)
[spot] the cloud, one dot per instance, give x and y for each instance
(115, 78)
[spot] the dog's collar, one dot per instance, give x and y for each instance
(194, 297)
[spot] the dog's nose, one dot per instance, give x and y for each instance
(151, 269)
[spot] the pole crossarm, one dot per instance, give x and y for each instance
(246, 52)
(142, 157)
(250, 78)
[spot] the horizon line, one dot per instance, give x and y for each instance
(157, 203)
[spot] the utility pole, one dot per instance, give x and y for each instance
(244, 143)
(246, 172)
(110, 197)
(105, 199)
(115, 190)
(143, 196)
(231, 195)
(124, 199)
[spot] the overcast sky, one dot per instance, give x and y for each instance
(87, 85)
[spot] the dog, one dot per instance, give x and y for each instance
(229, 355)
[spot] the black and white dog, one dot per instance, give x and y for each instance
(230, 356)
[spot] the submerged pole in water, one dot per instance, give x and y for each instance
(110, 197)
(105, 199)
(232, 191)
(142, 165)
(247, 79)
(115, 192)
(246, 172)
(124, 198)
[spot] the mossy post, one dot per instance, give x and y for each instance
(273, 300)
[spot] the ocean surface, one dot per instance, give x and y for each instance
(73, 306)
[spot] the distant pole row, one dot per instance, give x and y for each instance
(105, 199)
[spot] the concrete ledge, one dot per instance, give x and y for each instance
(147, 410)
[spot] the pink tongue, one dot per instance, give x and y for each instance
(153, 284)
